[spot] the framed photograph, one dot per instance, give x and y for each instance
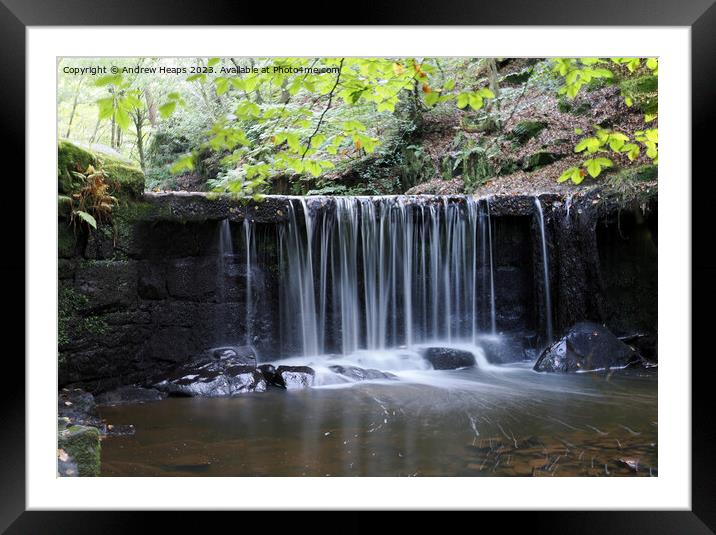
(362, 267)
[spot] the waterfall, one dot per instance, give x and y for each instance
(249, 246)
(225, 324)
(545, 271)
(493, 319)
(226, 251)
(383, 272)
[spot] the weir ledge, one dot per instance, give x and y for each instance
(198, 206)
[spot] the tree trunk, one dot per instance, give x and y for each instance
(495, 88)
(74, 108)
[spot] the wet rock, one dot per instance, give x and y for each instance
(269, 373)
(237, 355)
(78, 407)
(446, 358)
(295, 377)
(587, 346)
(66, 465)
(129, 394)
(354, 373)
(211, 377)
(502, 349)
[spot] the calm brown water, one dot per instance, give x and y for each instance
(505, 421)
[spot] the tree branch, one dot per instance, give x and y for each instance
(328, 106)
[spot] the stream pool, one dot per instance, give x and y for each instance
(504, 420)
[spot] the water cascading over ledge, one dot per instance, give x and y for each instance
(383, 272)
(161, 290)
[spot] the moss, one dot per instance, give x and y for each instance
(516, 78)
(83, 445)
(128, 179)
(69, 304)
(539, 159)
(94, 325)
(70, 158)
(643, 91)
(66, 240)
(640, 173)
(526, 130)
(566, 105)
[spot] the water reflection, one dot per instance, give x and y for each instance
(505, 420)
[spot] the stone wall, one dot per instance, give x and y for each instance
(140, 295)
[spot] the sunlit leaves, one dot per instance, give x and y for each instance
(185, 163)
(575, 174)
(165, 110)
(579, 72)
(594, 166)
(474, 99)
(110, 79)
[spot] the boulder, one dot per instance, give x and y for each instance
(587, 346)
(502, 349)
(447, 358)
(212, 377)
(269, 373)
(237, 355)
(130, 394)
(79, 447)
(354, 373)
(78, 407)
(294, 377)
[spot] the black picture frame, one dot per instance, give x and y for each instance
(699, 15)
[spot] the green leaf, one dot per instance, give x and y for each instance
(431, 98)
(123, 119)
(590, 144)
(165, 110)
(475, 101)
(87, 218)
(213, 61)
(629, 101)
(594, 166)
(185, 163)
(568, 174)
(110, 79)
(106, 107)
(463, 99)
(632, 150)
(312, 167)
(652, 63)
(486, 93)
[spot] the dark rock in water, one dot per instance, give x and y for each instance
(645, 344)
(129, 394)
(360, 374)
(269, 373)
(78, 407)
(211, 377)
(587, 346)
(294, 377)
(239, 355)
(445, 358)
(502, 349)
